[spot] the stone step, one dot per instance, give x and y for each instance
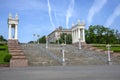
(18, 57)
(13, 41)
(17, 54)
(15, 51)
(99, 50)
(19, 62)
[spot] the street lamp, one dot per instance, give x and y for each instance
(63, 53)
(79, 43)
(46, 41)
(65, 39)
(108, 52)
(38, 38)
(58, 41)
(34, 38)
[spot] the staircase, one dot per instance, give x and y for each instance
(39, 56)
(74, 56)
(18, 57)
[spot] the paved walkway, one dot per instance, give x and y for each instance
(106, 72)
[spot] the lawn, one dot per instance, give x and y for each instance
(114, 47)
(3, 52)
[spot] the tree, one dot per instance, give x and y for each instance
(31, 42)
(118, 36)
(100, 34)
(68, 38)
(42, 39)
(2, 38)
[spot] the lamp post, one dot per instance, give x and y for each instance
(34, 38)
(46, 41)
(58, 41)
(108, 52)
(63, 53)
(79, 43)
(65, 39)
(38, 38)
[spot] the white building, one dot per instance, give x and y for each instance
(55, 35)
(13, 27)
(78, 32)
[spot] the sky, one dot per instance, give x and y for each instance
(43, 16)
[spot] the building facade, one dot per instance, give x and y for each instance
(78, 32)
(55, 35)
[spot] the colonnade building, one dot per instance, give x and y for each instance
(77, 31)
(55, 35)
(13, 27)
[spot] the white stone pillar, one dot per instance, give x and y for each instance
(16, 32)
(73, 36)
(78, 33)
(83, 35)
(9, 32)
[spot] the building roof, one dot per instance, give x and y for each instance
(60, 29)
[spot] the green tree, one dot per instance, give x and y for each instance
(68, 38)
(100, 34)
(2, 38)
(42, 39)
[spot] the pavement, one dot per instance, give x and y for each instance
(88, 72)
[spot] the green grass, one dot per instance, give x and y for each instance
(114, 47)
(3, 53)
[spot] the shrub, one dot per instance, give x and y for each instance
(7, 58)
(2, 49)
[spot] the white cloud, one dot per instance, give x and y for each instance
(95, 8)
(113, 16)
(56, 19)
(49, 11)
(69, 12)
(23, 5)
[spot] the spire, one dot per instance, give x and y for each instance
(10, 15)
(73, 24)
(16, 16)
(83, 21)
(78, 22)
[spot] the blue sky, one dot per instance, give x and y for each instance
(43, 16)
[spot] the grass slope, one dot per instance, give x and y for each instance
(114, 47)
(3, 52)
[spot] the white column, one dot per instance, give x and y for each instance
(77, 36)
(74, 36)
(78, 33)
(9, 32)
(83, 35)
(16, 31)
